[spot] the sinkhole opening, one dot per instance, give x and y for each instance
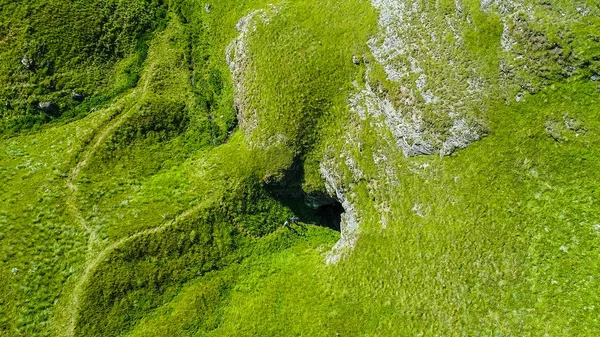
(315, 207)
(325, 211)
(330, 215)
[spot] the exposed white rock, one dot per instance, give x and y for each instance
(519, 97)
(418, 209)
(349, 219)
(506, 41)
(487, 4)
(427, 95)
(353, 167)
(433, 74)
(461, 134)
(458, 5)
(421, 57)
(238, 58)
(409, 130)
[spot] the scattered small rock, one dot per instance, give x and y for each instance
(418, 209)
(421, 149)
(77, 96)
(519, 97)
(553, 130)
(572, 123)
(207, 8)
(48, 107)
(28, 62)
(562, 132)
(356, 60)
(595, 77)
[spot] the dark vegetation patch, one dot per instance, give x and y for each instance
(330, 215)
(183, 104)
(156, 120)
(209, 76)
(105, 46)
(554, 50)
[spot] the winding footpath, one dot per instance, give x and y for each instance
(74, 174)
(94, 260)
(74, 210)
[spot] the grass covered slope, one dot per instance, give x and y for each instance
(42, 247)
(72, 56)
(160, 214)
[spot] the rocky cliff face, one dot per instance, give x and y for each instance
(429, 77)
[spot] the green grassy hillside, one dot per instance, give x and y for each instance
(75, 55)
(440, 156)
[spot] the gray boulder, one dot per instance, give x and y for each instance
(77, 96)
(28, 62)
(48, 107)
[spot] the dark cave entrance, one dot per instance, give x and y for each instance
(330, 215)
(317, 208)
(326, 213)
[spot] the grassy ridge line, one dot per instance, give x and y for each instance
(104, 253)
(166, 125)
(121, 114)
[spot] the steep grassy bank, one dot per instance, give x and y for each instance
(458, 137)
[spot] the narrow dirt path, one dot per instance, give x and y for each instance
(71, 202)
(92, 261)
